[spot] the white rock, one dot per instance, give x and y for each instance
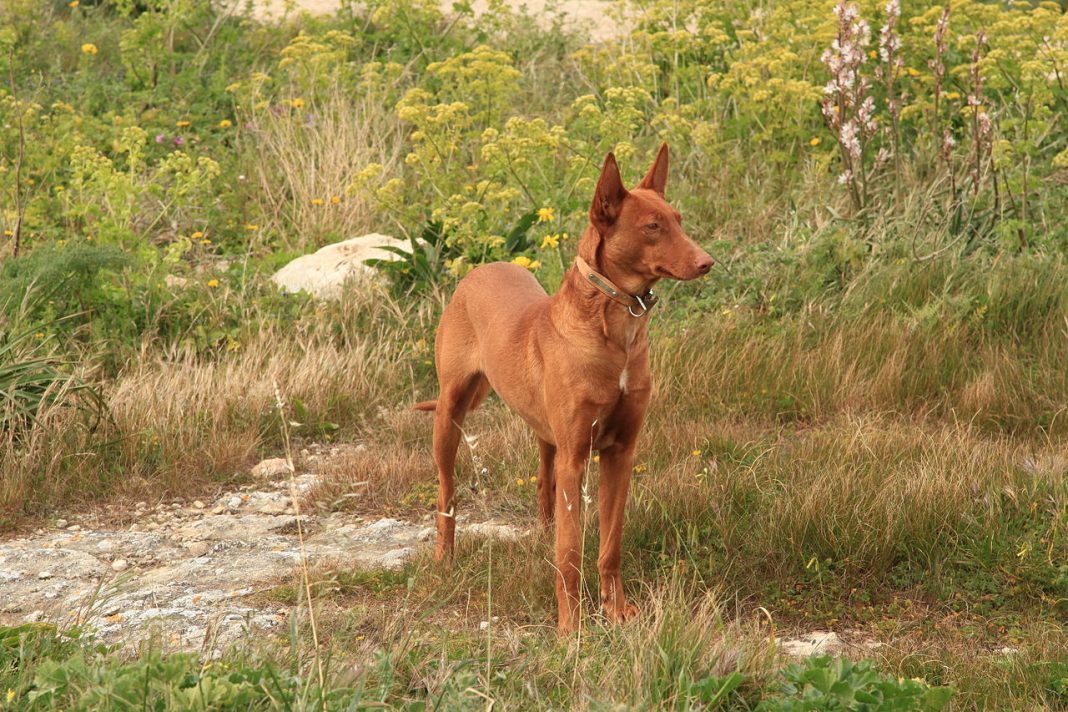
(44, 575)
(323, 273)
(119, 565)
(61, 524)
(198, 504)
(816, 643)
(234, 502)
(271, 468)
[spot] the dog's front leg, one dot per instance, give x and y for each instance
(616, 465)
(569, 467)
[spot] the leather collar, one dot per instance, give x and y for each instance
(637, 306)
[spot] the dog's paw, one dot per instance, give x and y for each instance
(621, 614)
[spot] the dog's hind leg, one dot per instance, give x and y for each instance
(546, 482)
(457, 398)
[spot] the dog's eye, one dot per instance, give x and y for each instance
(653, 226)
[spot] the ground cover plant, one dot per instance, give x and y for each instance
(859, 416)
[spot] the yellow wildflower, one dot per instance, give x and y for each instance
(213, 283)
(9, 698)
(60, 189)
(533, 479)
(182, 124)
(545, 214)
(639, 469)
(9, 233)
(196, 235)
(534, 265)
(520, 481)
(318, 201)
(550, 241)
(297, 103)
(335, 199)
(225, 124)
(522, 261)
(952, 95)
(697, 453)
(73, 4)
(251, 227)
(89, 48)
(814, 141)
(912, 72)
(205, 242)
(597, 457)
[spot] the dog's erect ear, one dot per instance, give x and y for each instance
(656, 178)
(608, 196)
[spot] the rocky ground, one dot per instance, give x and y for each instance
(188, 571)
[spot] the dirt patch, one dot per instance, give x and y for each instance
(590, 17)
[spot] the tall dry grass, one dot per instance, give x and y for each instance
(305, 160)
(178, 421)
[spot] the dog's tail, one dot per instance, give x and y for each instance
(426, 405)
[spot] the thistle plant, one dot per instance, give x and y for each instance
(888, 72)
(982, 127)
(847, 106)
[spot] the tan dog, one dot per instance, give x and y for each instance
(574, 366)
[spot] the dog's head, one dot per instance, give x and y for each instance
(642, 234)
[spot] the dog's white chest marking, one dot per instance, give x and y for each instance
(623, 380)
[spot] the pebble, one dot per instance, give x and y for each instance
(234, 502)
(61, 524)
(198, 504)
(218, 510)
(44, 575)
(197, 548)
(74, 528)
(119, 564)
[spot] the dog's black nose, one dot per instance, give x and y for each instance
(704, 264)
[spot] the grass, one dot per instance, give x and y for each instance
(857, 425)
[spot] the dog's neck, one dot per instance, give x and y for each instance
(597, 313)
(591, 247)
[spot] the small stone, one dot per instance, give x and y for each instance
(74, 528)
(119, 565)
(105, 545)
(198, 504)
(176, 506)
(218, 510)
(197, 548)
(61, 524)
(484, 625)
(141, 505)
(234, 502)
(273, 508)
(273, 467)
(44, 575)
